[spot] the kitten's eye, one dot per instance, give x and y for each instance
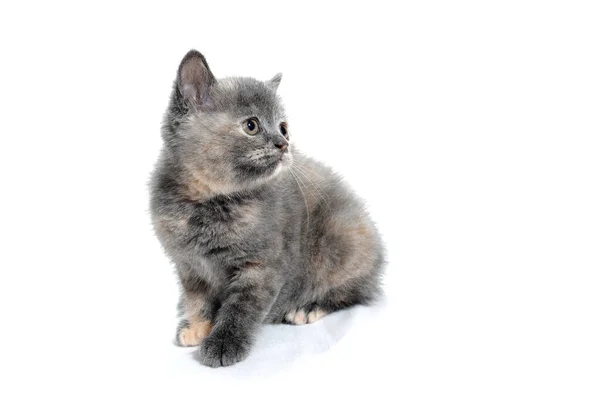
(283, 129)
(251, 126)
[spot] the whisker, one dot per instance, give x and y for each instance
(312, 171)
(305, 202)
(318, 191)
(314, 186)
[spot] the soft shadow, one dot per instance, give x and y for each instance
(280, 347)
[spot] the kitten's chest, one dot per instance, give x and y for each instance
(218, 232)
(223, 218)
(205, 238)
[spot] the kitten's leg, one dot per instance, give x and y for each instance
(346, 264)
(358, 291)
(193, 327)
(243, 308)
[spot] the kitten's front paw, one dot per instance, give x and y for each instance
(221, 350)
(191, 333)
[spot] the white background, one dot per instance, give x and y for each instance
(470, 128)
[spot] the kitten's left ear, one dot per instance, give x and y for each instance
(274, 82)
(194, 79)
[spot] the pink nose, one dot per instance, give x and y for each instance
(281, 146)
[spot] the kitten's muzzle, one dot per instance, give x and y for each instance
(284, 149)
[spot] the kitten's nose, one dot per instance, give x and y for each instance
(280, 142)
(281, 146)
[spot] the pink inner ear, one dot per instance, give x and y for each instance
(189, 91)
(195, 79)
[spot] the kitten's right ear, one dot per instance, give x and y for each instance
(274, 82)
(194, 79)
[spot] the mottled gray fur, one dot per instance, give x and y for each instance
(258, 232)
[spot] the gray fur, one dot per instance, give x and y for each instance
(255, 229)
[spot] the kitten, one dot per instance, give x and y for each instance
(258, 232)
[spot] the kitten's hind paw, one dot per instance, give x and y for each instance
(191, 333)
(303, 316)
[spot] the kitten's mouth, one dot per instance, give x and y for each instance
(267, 166)
(285, 158)
(281, 162)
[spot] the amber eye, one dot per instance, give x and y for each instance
(251, 126)
(283, 129)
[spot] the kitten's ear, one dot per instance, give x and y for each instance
(194, 79)
(274, 82)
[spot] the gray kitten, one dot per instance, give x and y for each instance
(258, 232)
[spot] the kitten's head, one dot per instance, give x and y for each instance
(229, 134)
